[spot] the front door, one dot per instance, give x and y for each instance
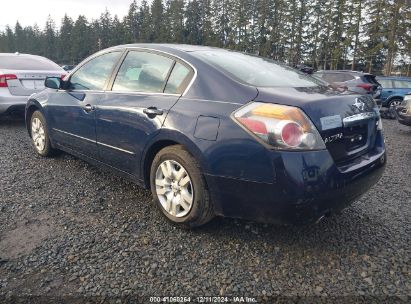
(134, 111)
(72, 113)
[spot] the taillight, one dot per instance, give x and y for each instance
(365, 86)
(4, 78)
(257, 127)
(281, 127)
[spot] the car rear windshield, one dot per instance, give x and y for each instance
(21, 62)
(257, 71)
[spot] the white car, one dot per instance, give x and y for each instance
(22, 75)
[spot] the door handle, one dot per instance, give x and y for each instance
(152, 112)
(88, 108)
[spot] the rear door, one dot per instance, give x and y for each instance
(71, 112)
(135, 110)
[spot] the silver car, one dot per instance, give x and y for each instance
(358, 82)
(22, 75)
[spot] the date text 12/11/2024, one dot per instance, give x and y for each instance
(203, 300)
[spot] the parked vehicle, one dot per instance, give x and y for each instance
(214, 132)
(404, 111)
(22, 75)
(394, 89)
(68, 68)
(305, 68)
(358, 82)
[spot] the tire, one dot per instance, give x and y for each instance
(394, 102)
(174, 188)
(40, 135)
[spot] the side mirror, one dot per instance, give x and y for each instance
(53, 83)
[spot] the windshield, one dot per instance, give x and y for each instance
(21, 62)
(257, 71)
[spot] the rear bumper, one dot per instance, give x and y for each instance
(307, 186)
(12, 103)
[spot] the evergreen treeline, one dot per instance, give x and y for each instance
(370, 35)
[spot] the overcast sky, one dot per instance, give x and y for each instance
(28, 12)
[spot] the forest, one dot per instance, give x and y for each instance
(366, 35)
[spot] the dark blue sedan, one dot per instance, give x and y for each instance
(214, 132)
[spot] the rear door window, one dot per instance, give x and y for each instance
(385, 83)
(179, 78)
(402, 84)
(94, 74)
(143, 72)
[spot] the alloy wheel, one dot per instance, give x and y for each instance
(395, 103)
(38, 134)
(174, 188)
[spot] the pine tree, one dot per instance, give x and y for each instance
(105, 30)
(10, 40)
(337, 35)
(19, 38)
(376, 33)
(175, 13)
(396, 9)
(353, 32)
(157, 22)
(50, 40)
(222, 22)
(65, 35)
(131, 23)
(81, 39)
(194, 23)
(371, 35)
(144, 21)
(207, 31)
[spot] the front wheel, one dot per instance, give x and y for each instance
(40, 136)
(179, 188)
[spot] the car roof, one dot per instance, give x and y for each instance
(161, 46)
(343, 71)
(355, 73)
(395, 78)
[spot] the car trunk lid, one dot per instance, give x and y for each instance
(347, 123)
(28, 82)
(372, 80)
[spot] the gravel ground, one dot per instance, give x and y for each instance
(67, 229)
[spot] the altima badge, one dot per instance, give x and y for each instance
(333, 138)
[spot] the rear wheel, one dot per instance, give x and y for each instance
(179, 188)
(40, 136)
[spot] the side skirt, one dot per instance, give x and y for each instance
(101, 165)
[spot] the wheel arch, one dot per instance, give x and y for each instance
(32, 106)
(165, 139)
(389, 99)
